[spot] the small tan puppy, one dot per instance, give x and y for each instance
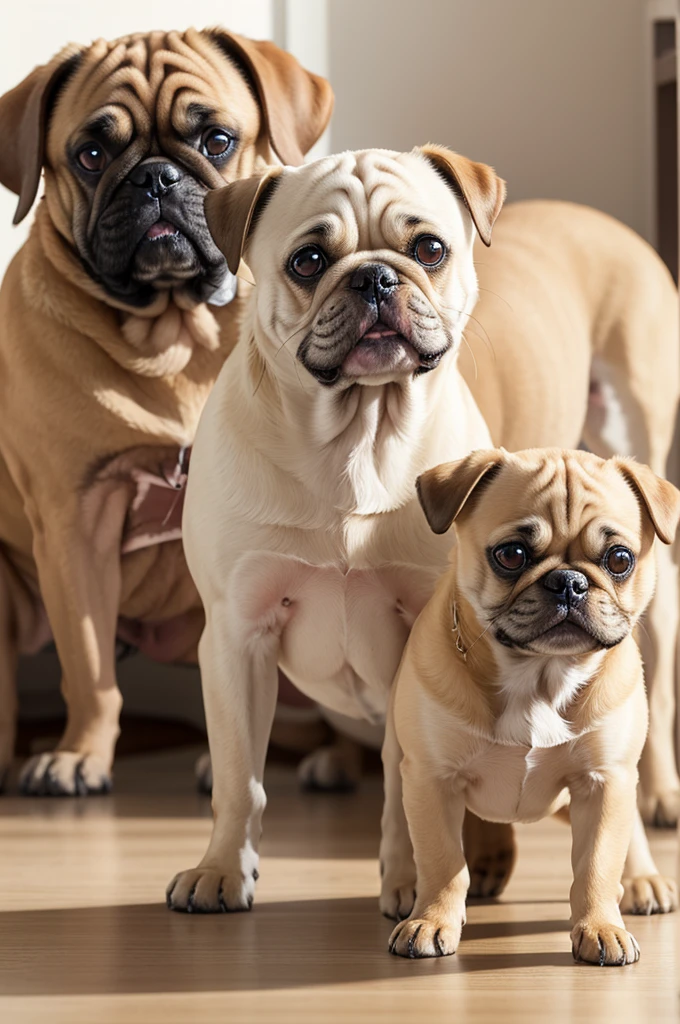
(521, 690)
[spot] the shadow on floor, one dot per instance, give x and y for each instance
(145, 949)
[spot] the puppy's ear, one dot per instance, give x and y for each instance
(24, 112)
(231, 211)
(444, 490)
(660, 498)
(479, 185)
(296, 105)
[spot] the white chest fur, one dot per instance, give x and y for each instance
(536, 691)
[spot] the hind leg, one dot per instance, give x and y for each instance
(633, 412)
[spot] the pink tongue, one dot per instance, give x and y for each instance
(380, 330)
(160, 228)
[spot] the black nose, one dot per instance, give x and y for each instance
(155, 177)
(375, 282)
(565, 583)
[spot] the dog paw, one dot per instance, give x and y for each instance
(64, 773)
(204, 776)
(421, 937)
(661, 810)
(208, 891)
(651, 894)
(333, 769)
(397, 894)
(604, 944)
(490, 872)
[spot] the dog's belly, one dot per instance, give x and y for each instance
(515, 783)
(341, 634)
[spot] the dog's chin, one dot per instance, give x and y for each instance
(165, 257)
(380, 360)
(566, 637)
(380, 356)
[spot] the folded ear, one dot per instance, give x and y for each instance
(24, 113)
(660, 499)
(479, 185)
(296, 105)
(231, 212)
(444, 490)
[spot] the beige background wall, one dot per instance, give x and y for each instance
(553, 93)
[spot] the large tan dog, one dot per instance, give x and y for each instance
(302, 528)
(521, 689)
(115, 319)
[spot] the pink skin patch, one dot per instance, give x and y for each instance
(160, 229)
(381, 350)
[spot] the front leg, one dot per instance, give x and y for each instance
(239, 679)
(397, 867)
(77, 554)
(602, 815)
(435, 814)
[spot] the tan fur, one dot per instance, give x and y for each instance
(94, 392)
(517, 732)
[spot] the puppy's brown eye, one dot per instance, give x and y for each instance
(307, 262)
(429, 251)
(92, 158)
(511, 557)
(216, 142)
(619, 562)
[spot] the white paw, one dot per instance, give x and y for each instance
(397, 897)
(649, 894)
(65, 773)
(426, 937)
(210, 891)
(597, 942)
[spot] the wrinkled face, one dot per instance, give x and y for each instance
(555, 554)
(142, 129)
(367, 260)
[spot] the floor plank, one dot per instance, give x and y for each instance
(85, 937)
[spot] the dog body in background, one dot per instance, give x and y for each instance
(521, 689)
(115, 319)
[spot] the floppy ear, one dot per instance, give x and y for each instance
(230, 212)
(481, 188)
(296, 105)
(659, 497)
(24, 113)
(444, 490)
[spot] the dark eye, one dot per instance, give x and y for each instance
(512, 557)
(92, 158)
(619, 562)
(216, 142)
(309, 261)
(429, 251)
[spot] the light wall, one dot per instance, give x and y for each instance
(553, 93)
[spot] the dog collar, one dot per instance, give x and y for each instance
(455, 629)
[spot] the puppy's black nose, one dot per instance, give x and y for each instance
(566, 584)
(155, 176)
(375, 282)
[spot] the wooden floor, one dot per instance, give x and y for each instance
(85, 936)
